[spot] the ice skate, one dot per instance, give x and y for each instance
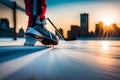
(39, 32)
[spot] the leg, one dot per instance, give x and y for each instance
(35, 9)
(28, 10)
(36, 24)
(42, 15)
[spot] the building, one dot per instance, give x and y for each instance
(99, 29)
(115, 30)
(74, 32)
(84, 18)
(4, 23)
(5, 30)
(21, 32)
(69, 34)
(103, 31)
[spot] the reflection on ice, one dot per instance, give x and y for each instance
(99, 56)
(105, 45)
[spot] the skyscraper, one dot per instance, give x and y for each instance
(99, 29)
(84, 22)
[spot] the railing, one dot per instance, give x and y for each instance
(13, 5)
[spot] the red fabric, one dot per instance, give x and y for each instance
(29, 9)
(42, 16)
(29, 20)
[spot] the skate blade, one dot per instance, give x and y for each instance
(46, 41)
(30, 41)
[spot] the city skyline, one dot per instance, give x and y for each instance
(7, 31)
(101, 32)
(77, 31)
(67, 13)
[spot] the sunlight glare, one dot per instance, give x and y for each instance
(105, 45)
(108, 21)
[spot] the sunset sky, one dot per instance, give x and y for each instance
(67, 12)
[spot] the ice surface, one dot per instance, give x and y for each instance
(72, 60)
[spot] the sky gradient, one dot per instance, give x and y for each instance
(67, 12)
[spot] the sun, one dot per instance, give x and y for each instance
(108, 21)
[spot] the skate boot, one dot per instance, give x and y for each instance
(39, 32)
(29, 40)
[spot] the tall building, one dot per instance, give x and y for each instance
(99, 29)
(84, 22)
(96, 30)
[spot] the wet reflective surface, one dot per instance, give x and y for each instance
(74, 60)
